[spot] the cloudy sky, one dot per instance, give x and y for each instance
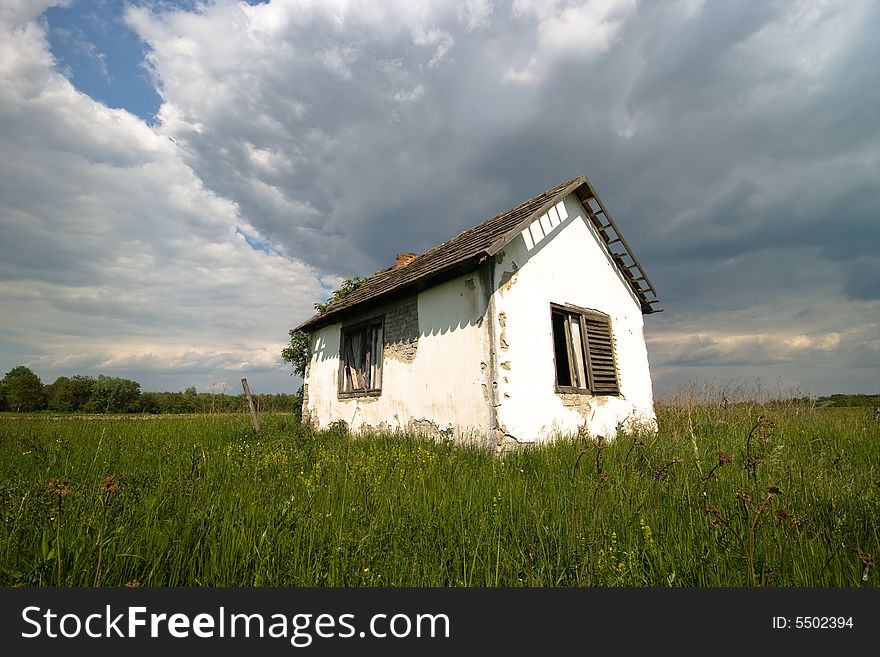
(181, 181)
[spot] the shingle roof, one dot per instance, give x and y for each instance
(465, 250)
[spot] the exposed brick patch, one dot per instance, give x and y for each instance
(402, 329)
(584, 404)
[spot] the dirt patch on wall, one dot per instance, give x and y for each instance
(502, 336)
(505, 441)
(428, 429)
(381, 428)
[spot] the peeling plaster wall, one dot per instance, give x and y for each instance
(542, 267)
(306, 418)
(434, 375)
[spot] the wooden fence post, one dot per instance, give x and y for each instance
(250, 400)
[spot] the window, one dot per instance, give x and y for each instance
(361, 362)
(583, 351)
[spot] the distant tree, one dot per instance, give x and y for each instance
(841, 400)
(81, 388)
(115, 395)
(176, 402)
(58, 394)
(191, 400)
(22, 390)
(70, 394)
(151, 402)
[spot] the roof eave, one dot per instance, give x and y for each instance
(332, 315)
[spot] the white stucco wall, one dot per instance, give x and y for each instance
(441, 387)
(558, 260)
(449, 384)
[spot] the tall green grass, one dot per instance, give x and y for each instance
(718, 497)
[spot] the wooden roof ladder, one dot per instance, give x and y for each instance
(620, 251)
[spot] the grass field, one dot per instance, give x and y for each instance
(718, 498)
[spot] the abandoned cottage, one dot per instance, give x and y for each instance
(523, 328)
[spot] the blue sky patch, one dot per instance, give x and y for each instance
(102, 56)
(259, 245)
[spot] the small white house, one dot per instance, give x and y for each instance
(523, 328)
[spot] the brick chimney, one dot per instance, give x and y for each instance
(403, 259)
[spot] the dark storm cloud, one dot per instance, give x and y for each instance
(735, 143)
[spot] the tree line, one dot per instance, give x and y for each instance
(21, 390)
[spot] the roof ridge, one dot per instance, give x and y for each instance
(496, 216)
(472, 229)
(462, 250)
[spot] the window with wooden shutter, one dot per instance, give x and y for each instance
(360, 359)
(583, 350)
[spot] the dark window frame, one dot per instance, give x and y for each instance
(375, 368)
(598, 358)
